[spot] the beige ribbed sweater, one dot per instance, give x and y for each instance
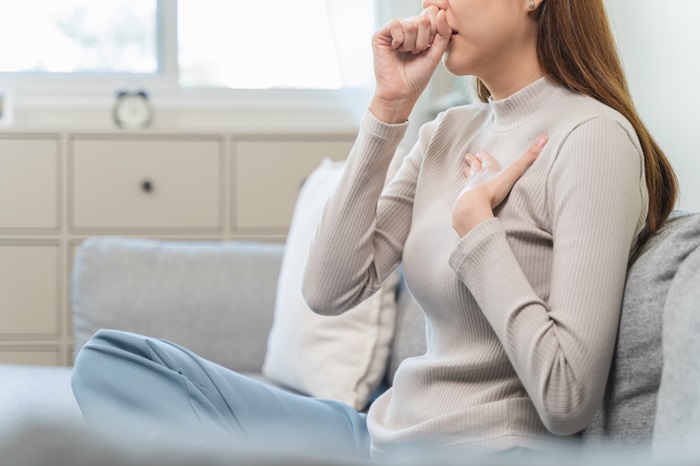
(522, 313)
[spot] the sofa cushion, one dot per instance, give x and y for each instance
(341, 358)
(626, 417)
(36, 395)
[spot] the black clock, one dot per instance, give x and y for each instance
(132, 110)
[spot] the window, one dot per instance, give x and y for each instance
(78, 36)
(166, 45)
(243, 46)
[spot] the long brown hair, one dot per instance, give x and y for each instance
(576, 48)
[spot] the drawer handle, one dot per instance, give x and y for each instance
(147, 186)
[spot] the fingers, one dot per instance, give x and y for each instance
(475, 166)
(396, 32)
(478, 162)
(417, 34)
(444, 30)
(423, 36)
(432, 13)
(515, 170)
(442, 38)
(487, 161)
(410, 32)
(529, 157)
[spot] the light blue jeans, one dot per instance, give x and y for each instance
(133, 386)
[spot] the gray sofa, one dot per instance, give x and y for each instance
(218, 300)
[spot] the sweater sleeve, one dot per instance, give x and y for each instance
(360, 237)
(562, 349)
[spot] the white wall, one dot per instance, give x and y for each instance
(660, 47)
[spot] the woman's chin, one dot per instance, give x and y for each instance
(454, 65)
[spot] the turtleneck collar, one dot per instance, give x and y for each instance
(518, 108)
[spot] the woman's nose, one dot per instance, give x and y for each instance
(441, 4)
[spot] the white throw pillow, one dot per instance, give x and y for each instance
(342, 358)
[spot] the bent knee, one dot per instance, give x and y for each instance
(97, 356)
(108, 342)
(115, 338)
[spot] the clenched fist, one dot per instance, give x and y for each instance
(406, 54)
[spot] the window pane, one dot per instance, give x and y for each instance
(68, 36)
(245, 44)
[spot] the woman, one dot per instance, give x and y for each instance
(520, 270)
(518, 262)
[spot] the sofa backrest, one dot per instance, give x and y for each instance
(216, 299)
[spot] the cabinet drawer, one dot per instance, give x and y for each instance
(269, 175)
(28, 183)
(146, 184)
(28, 290)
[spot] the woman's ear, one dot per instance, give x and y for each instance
(532, 5)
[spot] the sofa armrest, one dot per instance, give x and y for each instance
(677, 422)
(214, 298)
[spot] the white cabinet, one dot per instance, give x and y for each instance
(269, 174)
(29, 295)
(56, 190)
(29, 172)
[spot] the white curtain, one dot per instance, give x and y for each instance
(354, 52)
(352, 39)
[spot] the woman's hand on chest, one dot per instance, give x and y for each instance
(487, 186)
